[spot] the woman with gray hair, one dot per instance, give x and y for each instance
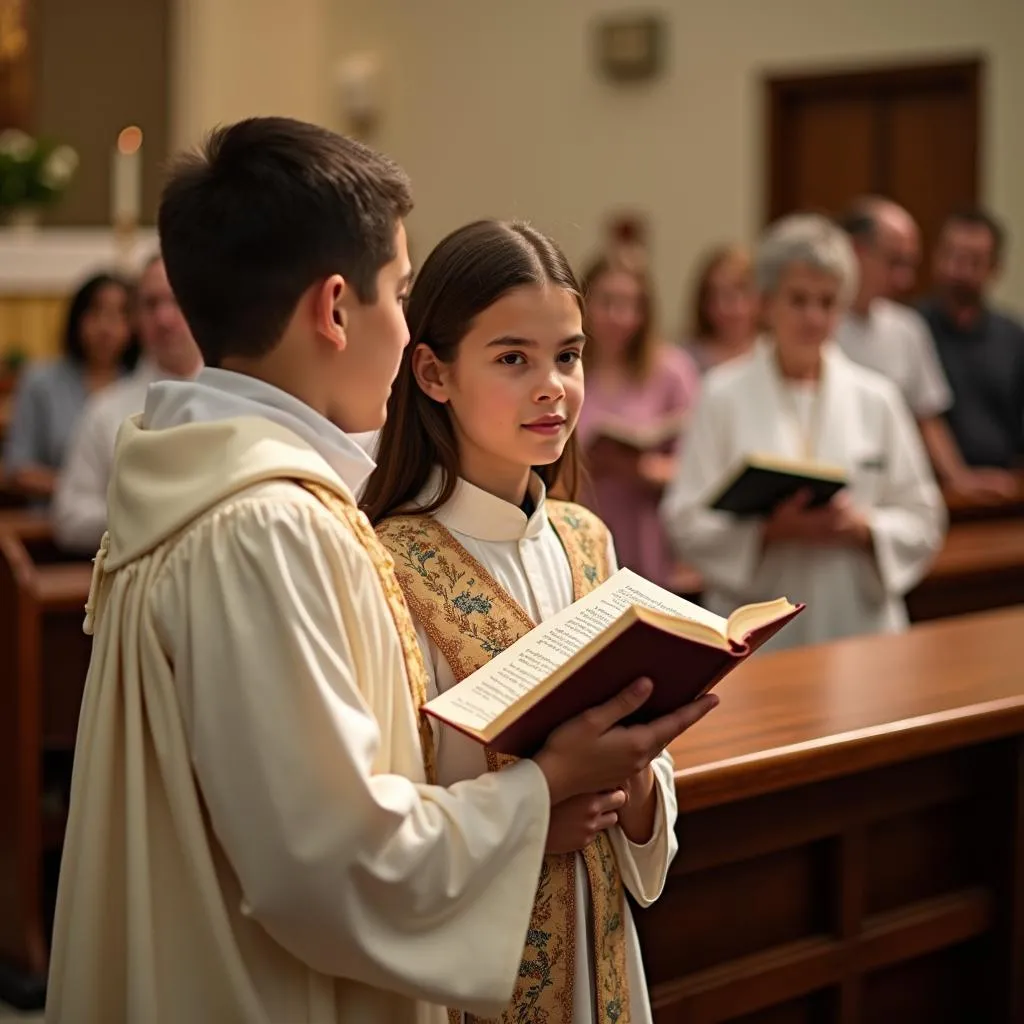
(797, 397)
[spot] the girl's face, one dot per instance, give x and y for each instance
(615, 312)
(731, 301)
(515, 387)
(104, 328)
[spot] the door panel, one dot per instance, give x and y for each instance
(910, 133)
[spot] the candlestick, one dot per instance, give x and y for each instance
(126, 179)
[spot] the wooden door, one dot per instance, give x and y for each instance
(909, 133)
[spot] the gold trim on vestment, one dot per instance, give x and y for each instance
(470, 618)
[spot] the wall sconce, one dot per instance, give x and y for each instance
(630, 48)
(357, 80)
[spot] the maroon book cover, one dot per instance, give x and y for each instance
(680, 668)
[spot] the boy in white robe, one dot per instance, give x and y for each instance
(799, 397)
(254, 836)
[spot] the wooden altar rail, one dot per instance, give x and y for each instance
(852, 838)
(42, 672)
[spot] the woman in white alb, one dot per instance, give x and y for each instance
(797, 396)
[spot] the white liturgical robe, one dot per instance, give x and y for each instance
(526, 558)
(864, 427)
(251, 838)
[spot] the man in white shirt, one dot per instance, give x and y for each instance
(894, 340)
(169, 351)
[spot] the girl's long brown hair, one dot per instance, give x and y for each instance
(640, 352)
(465, 274)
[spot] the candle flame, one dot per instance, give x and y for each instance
(129, 140)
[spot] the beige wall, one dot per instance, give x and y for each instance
(239, 58)
(494, 108)
(98, 68)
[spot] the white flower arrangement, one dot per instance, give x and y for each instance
(33, 172)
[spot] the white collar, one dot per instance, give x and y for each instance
(481, 515)
(223, 394)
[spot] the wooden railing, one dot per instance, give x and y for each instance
(851, 837)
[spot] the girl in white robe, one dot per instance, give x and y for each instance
(799, 397)
(491, 386)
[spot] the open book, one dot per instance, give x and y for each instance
(626, 628)
(759, 483)
(646, 437)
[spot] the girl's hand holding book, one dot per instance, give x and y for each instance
(637, 818)
(576, 823)
(592, 753)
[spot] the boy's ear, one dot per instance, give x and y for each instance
(329, 310)
(431, 374)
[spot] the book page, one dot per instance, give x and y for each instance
(636, 590)
(752, 617)
(480, 698)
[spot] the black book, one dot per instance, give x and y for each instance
(762, 482)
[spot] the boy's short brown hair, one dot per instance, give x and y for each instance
(263, 210)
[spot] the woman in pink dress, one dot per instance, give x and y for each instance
(636, 385)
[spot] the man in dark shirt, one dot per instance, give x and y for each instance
(982, 350)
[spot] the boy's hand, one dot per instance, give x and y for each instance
(575, 823)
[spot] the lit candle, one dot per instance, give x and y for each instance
(126, 179)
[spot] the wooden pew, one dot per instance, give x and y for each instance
(27, 522)
(7, 382)
(980, 567)
(10, 498)
(43, 665)
(852, 838)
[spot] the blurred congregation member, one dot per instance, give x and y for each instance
(724, 319)
(797, 396)
(902, 244)
(635, 382)
(893, 339)
(51, 396)
(168, 351)
(981, 348)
